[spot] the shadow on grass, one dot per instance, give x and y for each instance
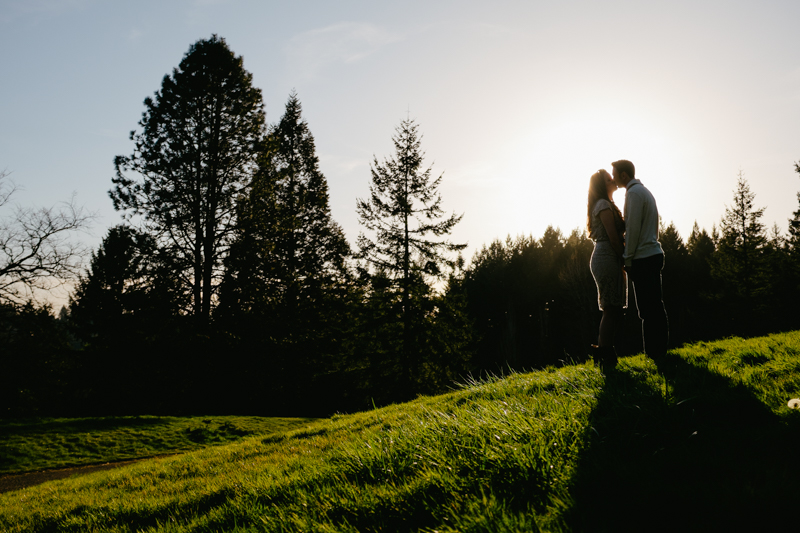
(704, 456)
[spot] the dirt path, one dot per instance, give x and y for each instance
(9, 482)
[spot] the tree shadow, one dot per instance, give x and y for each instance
(703, 455)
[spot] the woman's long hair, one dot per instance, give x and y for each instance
(598, 191)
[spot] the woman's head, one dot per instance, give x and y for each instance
(601, 186)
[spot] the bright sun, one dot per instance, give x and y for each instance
(551, 180)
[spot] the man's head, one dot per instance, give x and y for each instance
(623, 171)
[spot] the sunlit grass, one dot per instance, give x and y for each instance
(768, 366)
(37, 444)
(688, 444)
(502, 449)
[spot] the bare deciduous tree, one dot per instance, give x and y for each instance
(36, 252)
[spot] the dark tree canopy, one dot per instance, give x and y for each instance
(195, 153)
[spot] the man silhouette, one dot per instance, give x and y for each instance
(644, 259)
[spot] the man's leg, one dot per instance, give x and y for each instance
(650, 304)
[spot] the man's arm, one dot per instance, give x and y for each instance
(634, 205)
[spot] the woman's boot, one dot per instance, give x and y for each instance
(605, 356)
(593, 352)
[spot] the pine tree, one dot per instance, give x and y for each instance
(409, 229)
(790, 283)
(125, 310)
(794, 227)
(287, 268)
(310, 248)
(127, 286)
(196, 152)
(739, 260)
(700, 248)
(700, 245)
(677, 291)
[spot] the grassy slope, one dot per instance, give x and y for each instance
(709, 447)
(704, 445)
(27, 445)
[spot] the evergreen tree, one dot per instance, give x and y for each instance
(700, 246)
(672, 243)
(700, 284)
(794, 228)
(124, 310)
(792, 252)
(409, 229)
(677, 293)
(39, 362)
(195, 153)
(492, 299)
(451, 343)
(128, 279)
(572, 303)
(739, 260)
(287, 276)
(778, 271)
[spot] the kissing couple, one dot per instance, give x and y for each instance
(626, 247)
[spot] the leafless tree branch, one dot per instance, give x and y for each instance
(36, 251)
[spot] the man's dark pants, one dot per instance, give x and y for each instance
(646, 278)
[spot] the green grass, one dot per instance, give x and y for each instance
(702, 442)
(38, 444)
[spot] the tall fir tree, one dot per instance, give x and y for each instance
(309, 246)
(407, 234)
(195, 153)
(739, 260)
(287, 269)
(793, 241)
(790, 289)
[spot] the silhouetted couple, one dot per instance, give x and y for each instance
(626, 247)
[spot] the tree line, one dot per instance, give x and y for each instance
(230, 288)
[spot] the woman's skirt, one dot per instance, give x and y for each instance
(612, 284)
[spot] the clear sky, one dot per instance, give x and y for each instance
(518, 102)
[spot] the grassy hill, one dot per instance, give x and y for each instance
(28, 445)
(705, 441)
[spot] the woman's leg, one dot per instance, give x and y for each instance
(612, 317)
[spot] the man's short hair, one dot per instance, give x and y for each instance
(623, 165)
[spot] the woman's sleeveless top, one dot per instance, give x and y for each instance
(599, 233)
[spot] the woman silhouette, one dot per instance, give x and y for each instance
(606, 228)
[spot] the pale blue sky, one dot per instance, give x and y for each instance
(519, 102)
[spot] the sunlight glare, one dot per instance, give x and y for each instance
(551, 181)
